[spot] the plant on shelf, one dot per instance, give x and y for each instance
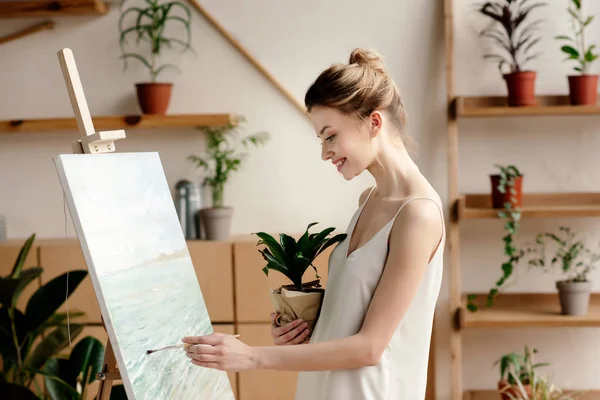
(516, 39)
(220, 161)
(149, 26)
(31, 339)
(506, 194)
(292, 258)
(576, 261)
(518, 374)
(583, 86)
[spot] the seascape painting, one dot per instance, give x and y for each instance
(138, 261)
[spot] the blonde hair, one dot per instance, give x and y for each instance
(359, 88)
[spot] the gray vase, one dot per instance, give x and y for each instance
(574, 297)
(216, 222)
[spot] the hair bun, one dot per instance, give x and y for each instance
(367, 58)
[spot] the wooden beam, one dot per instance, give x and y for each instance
(52, 8)
(248, 56)
(27, 31)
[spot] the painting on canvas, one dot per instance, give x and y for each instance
(137, 257)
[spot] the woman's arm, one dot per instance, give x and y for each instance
(415, 235)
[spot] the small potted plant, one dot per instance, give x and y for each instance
(292, 258)
(220, 161)
(583, 86)
(576, 260)
(518, 374)
(516, 40)
(150, 23)
(507, 187)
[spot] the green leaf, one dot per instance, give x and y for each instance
(60, 379)
(563, 38)
(274, 247)
(570, 50)
(7, 346)
(22, 257)
(52, 344)
(86, 358)
(48, 298)
(11, 288)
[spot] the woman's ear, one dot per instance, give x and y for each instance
(376, 120)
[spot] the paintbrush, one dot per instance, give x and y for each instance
(178, 346)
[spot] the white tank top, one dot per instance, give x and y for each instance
(402, 372)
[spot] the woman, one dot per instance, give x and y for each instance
(372, 337)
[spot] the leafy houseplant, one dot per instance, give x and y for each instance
(583, 87)
(292, 258)
(576, 260)
(150, 24)
(507, 189)
(518, 374)
(516, 39)
(31, 339)
(220, 161)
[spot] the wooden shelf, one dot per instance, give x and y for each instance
(535, 205)
(520, 310)
(496, 106)
(113, 122)
(56, 8)
(493, 395)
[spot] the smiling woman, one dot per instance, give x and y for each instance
(371, 341)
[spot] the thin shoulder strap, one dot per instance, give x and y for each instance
(425, 198)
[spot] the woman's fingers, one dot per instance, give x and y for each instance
(303, 337)
(202, 357)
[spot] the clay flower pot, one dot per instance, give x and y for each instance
(498, 198)
(521, 88)
(154, 98)
(506, 388)
(574, 297)
(583, 89)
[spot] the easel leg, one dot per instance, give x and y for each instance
(109, 373)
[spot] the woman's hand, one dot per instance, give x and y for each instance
(220, 351)
(295, 332)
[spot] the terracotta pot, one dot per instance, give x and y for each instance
(154, 97)
(574, 297)
(514, 391)
(521, 88)
(583, 89)
(498, 198)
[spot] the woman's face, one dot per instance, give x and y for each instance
(345, 141)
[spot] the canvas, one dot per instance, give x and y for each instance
(142, 273)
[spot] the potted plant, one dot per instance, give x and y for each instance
(518, 374)
(507, 189)
(516, 39)
(220, 161)
(150, 23)
(583, 86)
(32, 339)
(576, 260)
(292, 258)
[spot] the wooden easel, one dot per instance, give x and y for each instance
(91, 142)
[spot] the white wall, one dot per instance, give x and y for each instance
(285, 185)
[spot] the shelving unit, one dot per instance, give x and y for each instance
(114, 122)
(513, 310)
(52, 8)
